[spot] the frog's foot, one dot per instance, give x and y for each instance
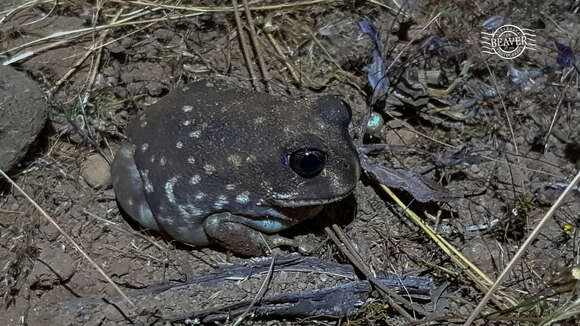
(233, 233)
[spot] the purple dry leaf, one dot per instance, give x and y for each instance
(411, 182)
(367, 27)
(566, 56)
(376, 70)
(492, 23)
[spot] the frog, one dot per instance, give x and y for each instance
(214, 163)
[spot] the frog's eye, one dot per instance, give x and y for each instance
(306, 162)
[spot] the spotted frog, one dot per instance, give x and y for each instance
(217, 164)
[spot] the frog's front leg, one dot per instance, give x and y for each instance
(246, 236)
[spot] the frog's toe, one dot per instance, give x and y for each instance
(279, 241)
(129, 188)
(305, 248)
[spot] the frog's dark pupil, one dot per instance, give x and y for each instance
(307, 162)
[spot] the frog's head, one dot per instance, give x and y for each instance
(318, 164)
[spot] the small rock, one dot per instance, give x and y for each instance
(75, 138)
(101, 82)
(164, 35)
(121, 92)
(22, 115)
(375, 124)
(135, 88)
(96, 172)
(484, 254)
(155, 88)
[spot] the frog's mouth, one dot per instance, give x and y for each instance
(289, 201)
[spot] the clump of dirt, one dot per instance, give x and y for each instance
(500, 134)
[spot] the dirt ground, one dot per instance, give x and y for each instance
(515, 121)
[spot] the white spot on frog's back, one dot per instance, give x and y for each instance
(162, 161)
(230, 186)
(189, 211)
(235, 160)
(195, 179)
(221, 201)
(164, 218)
(146, 216)
(169, 189)
(146, 181)
(250, 159)
(259, 120)
(243, 198)
(179, 145)
(187, 108)
(266, 185)
(209, 169)
(133, 175)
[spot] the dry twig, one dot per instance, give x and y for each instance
(244, 43)
(257, 49)
(338, 237)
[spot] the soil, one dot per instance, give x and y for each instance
(520, 133)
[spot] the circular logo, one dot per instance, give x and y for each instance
(508, 41)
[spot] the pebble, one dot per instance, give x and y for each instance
(96, 172)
